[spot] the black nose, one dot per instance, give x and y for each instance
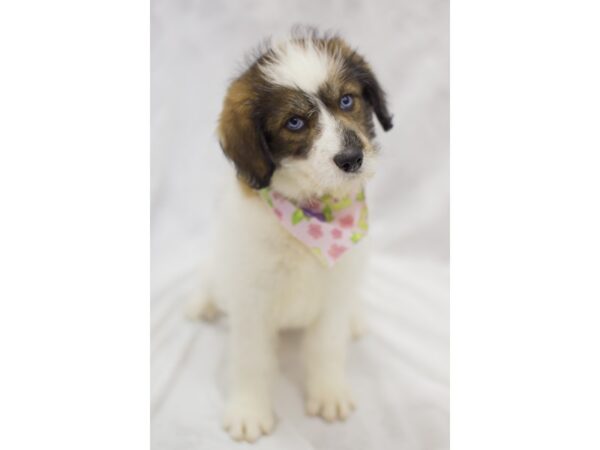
(349, 160)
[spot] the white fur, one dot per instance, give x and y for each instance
(266, 281)
(304, 67)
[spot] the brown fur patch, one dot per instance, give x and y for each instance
(240, 132)
(358, 71)
(359, 118)
(280, 106)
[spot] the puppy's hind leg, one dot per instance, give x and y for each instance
(201, 308)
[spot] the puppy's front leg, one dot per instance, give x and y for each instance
(325, 347)
(252, 368)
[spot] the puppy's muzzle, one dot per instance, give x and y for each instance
(351, 157)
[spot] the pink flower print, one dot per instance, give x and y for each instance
(278, 213)
(277, 196)
(314, 229)
(336, 233)
(346, 221)
(335, 251)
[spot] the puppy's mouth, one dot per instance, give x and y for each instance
(352, 181)
(352, 176)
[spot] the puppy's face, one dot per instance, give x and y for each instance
(300, 119)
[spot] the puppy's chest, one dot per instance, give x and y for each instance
(294, 282)
(301, 284)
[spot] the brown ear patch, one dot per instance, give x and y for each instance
(356, 68)
(241, 135)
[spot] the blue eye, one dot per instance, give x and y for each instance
(346, 102)
(295, 124)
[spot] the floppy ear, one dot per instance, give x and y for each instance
(242, 138)
(372, 91)
(376, 97)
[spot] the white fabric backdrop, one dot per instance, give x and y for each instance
(400, 369)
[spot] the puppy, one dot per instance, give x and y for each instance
(298, 127)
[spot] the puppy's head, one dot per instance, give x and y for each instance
(300, 118)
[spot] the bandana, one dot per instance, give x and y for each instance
(329, 226)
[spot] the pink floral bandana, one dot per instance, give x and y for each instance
(329, 226)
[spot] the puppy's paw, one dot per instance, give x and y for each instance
(331, 401)
(201, 309)
(247, 422)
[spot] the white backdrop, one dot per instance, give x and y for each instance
(400, 370)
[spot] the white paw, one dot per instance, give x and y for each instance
(248, 422)
(332, 401)
(201, 309)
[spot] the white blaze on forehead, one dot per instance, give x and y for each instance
(328, 142)
(304, 65)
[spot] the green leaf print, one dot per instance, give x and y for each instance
(343, 203)
(264, 193)
(356, 237)
(362, 220)
(328, 214)
(298, 216)
(361, 196)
